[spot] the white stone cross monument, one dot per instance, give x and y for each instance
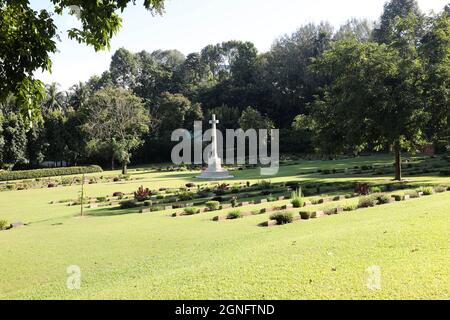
(214, 170)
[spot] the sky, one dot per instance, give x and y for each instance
(190, 25)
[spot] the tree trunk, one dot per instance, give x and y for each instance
(124, 168)
(112, 162)
(398, 161)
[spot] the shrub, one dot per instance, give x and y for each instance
(191, 211)
(255, 212)
(440, 189)
(271, 199)
(305, 215)
(297, 200)
(190, 185)
(118, 194)
(445, 173)
(156, 208)
(142, 194)
(235, 214)
(234, 202)
(282, 217)
(4, 225)
(51, 185)
(128, 204)
(427, 191)
(101, 199)
(366, 202)
(212, 205)
(375, 189)
(48, 172)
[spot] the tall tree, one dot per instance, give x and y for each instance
(393, 10)
(116, 121)
(289, 82)
(355, 28)
(435, 51)
(15, 140)
(374, 100)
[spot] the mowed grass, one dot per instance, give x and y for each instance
(125, 255)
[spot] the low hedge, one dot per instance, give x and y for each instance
(48, 172)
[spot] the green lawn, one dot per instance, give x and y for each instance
(154, 256)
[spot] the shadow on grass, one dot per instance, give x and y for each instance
(110, 211)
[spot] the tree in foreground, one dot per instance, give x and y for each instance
(28, 38)
(374, 101)
(116, 121)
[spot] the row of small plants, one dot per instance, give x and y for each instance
(364, 202)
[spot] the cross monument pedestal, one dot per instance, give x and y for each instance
(214, 170)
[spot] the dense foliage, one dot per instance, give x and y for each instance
(356, 89)
(50, 172)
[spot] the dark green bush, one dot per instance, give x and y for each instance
(50, 172)
(4, 224)
(305, 215)
(235, 214)
(156, 208)
(282, 217)
(445, 173)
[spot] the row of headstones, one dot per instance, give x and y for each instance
(305, 215)
(185, 204)
(229, 206)
(290, 206)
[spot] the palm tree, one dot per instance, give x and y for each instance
(55, 98)
(79, 95)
